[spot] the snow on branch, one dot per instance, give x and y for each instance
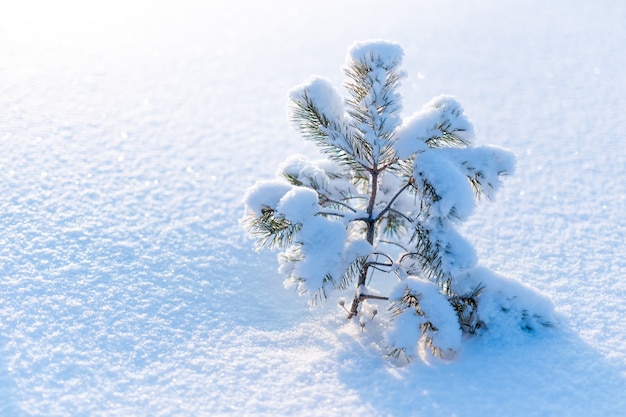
(386, 201)
(484, 166)
(440, 123)
(316, 111)
(383, 54)
(444, 185)
(374, 103)
(423, 314)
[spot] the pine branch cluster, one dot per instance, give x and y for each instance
(387, 199)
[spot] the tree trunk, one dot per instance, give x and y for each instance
(358, 297)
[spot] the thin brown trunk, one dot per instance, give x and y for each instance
(354, 308)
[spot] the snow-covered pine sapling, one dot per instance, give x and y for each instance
(386, 200)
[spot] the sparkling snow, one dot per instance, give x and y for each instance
(130, 133)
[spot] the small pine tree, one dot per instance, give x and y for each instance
(387, 200)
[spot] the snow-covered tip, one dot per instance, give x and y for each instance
(485, 165)
(321, 94)
(265, 194)
(440, 122)
(379, 53)
(300, 171)
(292, 166)
(452, 117)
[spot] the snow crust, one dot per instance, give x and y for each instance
(129, 134)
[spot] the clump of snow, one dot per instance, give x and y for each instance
(406, 333)
(523, 306)
(485, 164)
(442, 115)
(320, 245)
(298, 204)
(265, 194)
(307, 173)
(454, 195)
(435, 311)
(320, 91)
(376, 53)
(355, 249)
(319, 94)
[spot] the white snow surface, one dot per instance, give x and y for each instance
(130, 133)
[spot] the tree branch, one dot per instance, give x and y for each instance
(389, 242)
(383, 254)
(325, 200)
(407, 218)
(376, 263)
(393, 199)
(330, 213)
(372, 297)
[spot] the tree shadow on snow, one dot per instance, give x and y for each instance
(550, 373)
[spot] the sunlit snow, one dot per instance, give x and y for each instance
(130, 132)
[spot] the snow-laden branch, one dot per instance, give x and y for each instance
(387, 201)
(324, 199)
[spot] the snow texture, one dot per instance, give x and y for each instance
(130, 133)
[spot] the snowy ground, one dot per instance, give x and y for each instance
(129, 135)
